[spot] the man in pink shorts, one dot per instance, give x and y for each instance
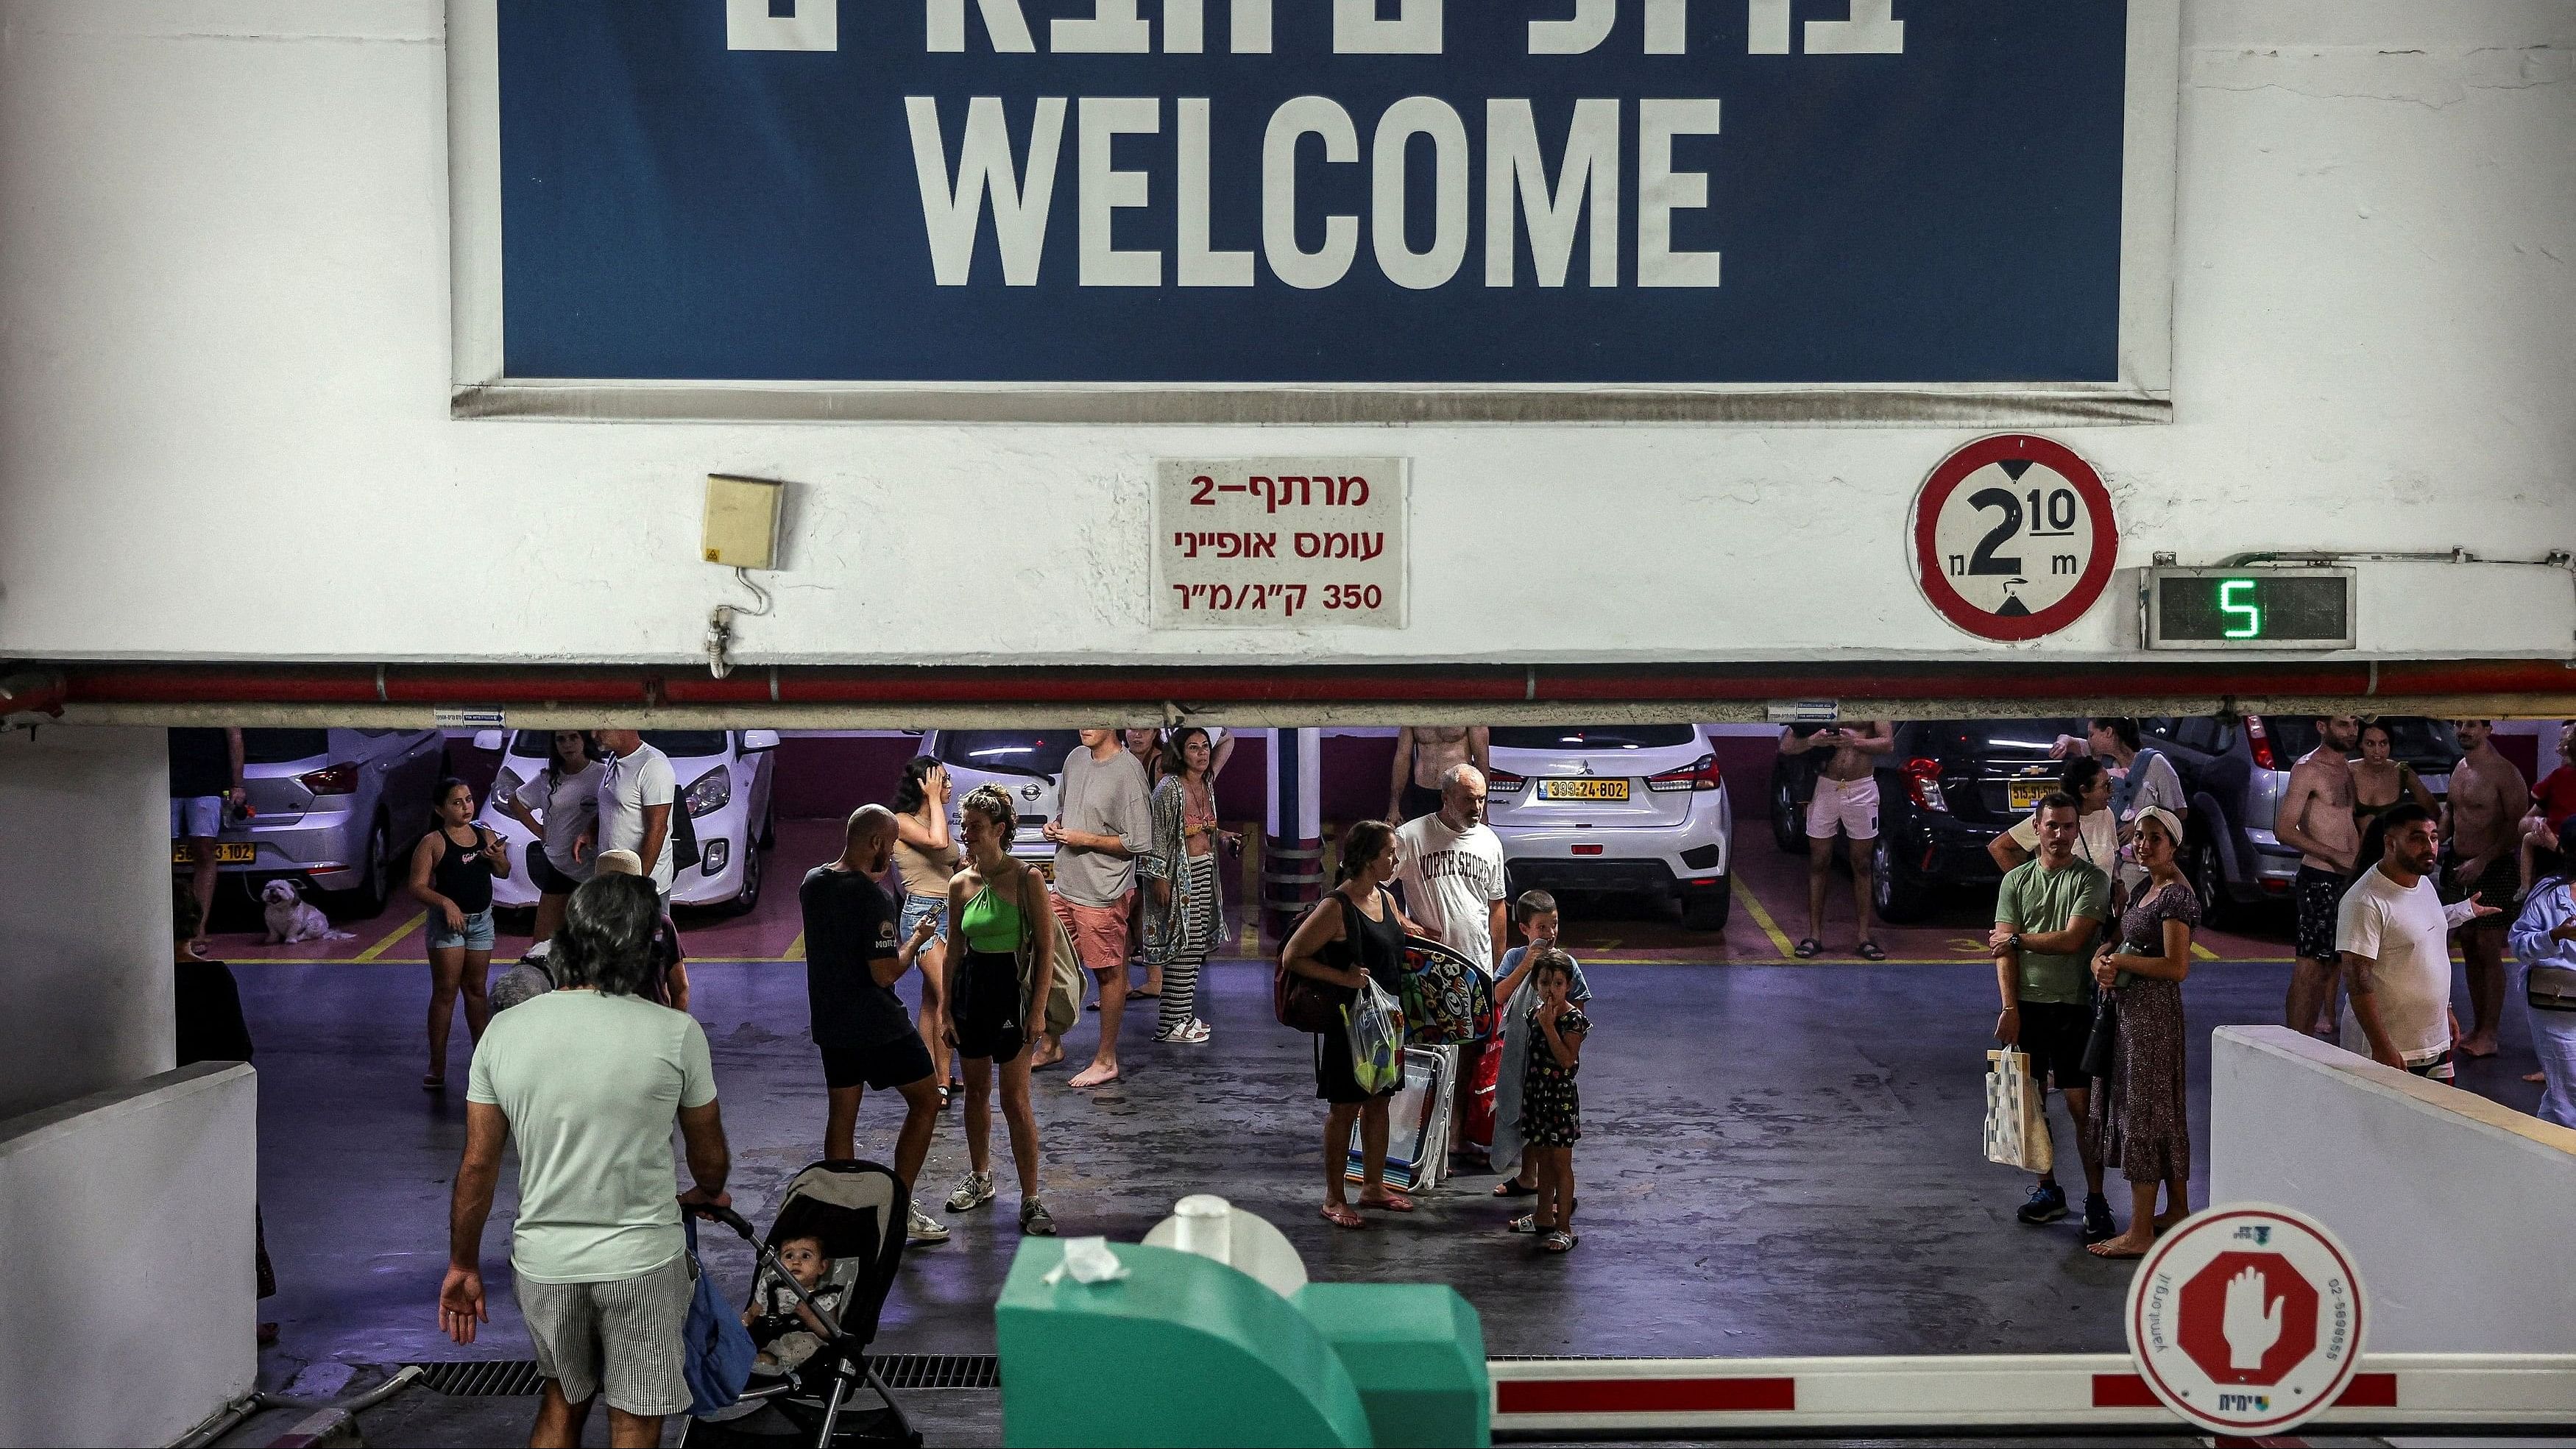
(1103, 822)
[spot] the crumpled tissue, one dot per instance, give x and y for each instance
(1089, 1261)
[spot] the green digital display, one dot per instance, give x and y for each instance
(2253, 608)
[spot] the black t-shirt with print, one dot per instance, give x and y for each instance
(849, 925)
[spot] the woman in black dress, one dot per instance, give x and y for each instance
(2141, 1111)
(1357, 931)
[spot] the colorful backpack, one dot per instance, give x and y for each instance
(1448, 999)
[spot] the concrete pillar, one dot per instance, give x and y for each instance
(84, 913)
(1292, 853)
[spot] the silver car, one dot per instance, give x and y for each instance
(1026, 763)
(334, 809)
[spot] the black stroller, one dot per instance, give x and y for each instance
(802, 1392)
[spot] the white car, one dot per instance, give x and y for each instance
(1027, 763)
(1616, 808)
(724, 779)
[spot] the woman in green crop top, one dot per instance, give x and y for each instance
(992, 1014)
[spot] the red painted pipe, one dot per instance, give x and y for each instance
(1075, 685)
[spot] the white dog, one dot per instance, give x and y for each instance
(291, 919)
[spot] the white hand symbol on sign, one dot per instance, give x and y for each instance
(2250, 1329)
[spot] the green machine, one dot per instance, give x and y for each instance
(1180, 1348)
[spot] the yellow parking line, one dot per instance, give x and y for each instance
(795, 948)
(2203, 952)
(405, 929)
(1762, 918)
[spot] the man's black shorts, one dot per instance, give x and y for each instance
(2054, 1032)
(883, 1067)
(2320, 898)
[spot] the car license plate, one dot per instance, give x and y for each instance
(227, 852)
(1583, 789)
(2026, 794)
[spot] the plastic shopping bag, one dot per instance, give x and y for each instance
(2016, 1114)
(1377, 1039)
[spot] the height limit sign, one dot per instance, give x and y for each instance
(2013, 537)
(1279, 543)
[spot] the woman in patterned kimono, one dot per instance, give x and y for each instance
(1185, 909)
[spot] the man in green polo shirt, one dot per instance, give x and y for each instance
(2046, 915)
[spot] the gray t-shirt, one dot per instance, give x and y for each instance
(1102, 797)
(568, 806)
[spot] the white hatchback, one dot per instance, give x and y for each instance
(724, 779)
(1629, 808)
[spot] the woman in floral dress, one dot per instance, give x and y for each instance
(2141, 1109)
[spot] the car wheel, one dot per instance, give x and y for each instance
(2209, 882)
(741, 905)
(769, 827)
(1897, 897)
(375, 874)
(1706, 908)
(1788, 827)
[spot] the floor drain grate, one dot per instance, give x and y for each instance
(939, 1371)
(484, 1379)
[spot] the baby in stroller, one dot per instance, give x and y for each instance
(782, 1322)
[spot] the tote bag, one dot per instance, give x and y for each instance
(717, 1355)
(1062, 1006)
(2016, 1125)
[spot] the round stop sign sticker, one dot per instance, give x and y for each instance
(2246, 1319)
(2013, 537)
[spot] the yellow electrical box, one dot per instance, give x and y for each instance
(742, 521)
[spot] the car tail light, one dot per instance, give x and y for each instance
(2259, 740)
(1587, 850)
(339, 779)
(1923, 782)
(1699, 774)
(1504, 782)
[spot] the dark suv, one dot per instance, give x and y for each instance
(2234, 769)
(1950, 787)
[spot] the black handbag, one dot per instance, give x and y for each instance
(2102, 1047)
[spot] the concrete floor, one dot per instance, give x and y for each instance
(1779, 1159)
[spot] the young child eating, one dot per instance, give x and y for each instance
(788, 1331)
(1551, 1107)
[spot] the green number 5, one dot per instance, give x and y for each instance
(2233, 599)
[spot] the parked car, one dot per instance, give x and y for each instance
(2234, 770)
(335, 810)
(1631, 808)
(1948, 788)
(1027, 763)
(725, 783)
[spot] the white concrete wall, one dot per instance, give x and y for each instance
(224, 376)
(84, 912)
(2454, 1207)
(127, 1307)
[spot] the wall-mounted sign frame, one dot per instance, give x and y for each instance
(1757, 211)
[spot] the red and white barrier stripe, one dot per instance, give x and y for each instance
(1805, 1395)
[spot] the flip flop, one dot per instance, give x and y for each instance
(1869, 951)
(1343, 1215)
(1511, 1187)
(1808, 949)
(1393, 1202)
(1144, 996)
(433, 1084)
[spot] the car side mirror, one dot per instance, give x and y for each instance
(754, 741)
(487, 740)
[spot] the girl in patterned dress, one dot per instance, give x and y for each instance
(1551, 1106)
(2141, 1108)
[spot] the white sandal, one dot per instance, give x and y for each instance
(1190, 1033)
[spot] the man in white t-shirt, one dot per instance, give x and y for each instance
(636, 795)
(2392, 935)
(588, 1080)
(1449, 865)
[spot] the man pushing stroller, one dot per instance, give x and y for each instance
(589, 1078)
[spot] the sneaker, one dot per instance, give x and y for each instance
(1035, 1220)
(2098, 1227)
(973, 1191)
(925, 1229)
(2046, 1205)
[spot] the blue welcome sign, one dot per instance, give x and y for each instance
(1314, 208)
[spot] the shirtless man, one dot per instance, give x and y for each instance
(2315, 818)
(2481, 821)
(1424, 753)
(1846, 799)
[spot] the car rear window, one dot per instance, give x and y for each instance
(1593, 737)
(1014, 752)
(278, 747)
(2412, 738)
(2007, 739)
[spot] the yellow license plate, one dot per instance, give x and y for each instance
(1583, 789)
(2028, 793)
(227, 852)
